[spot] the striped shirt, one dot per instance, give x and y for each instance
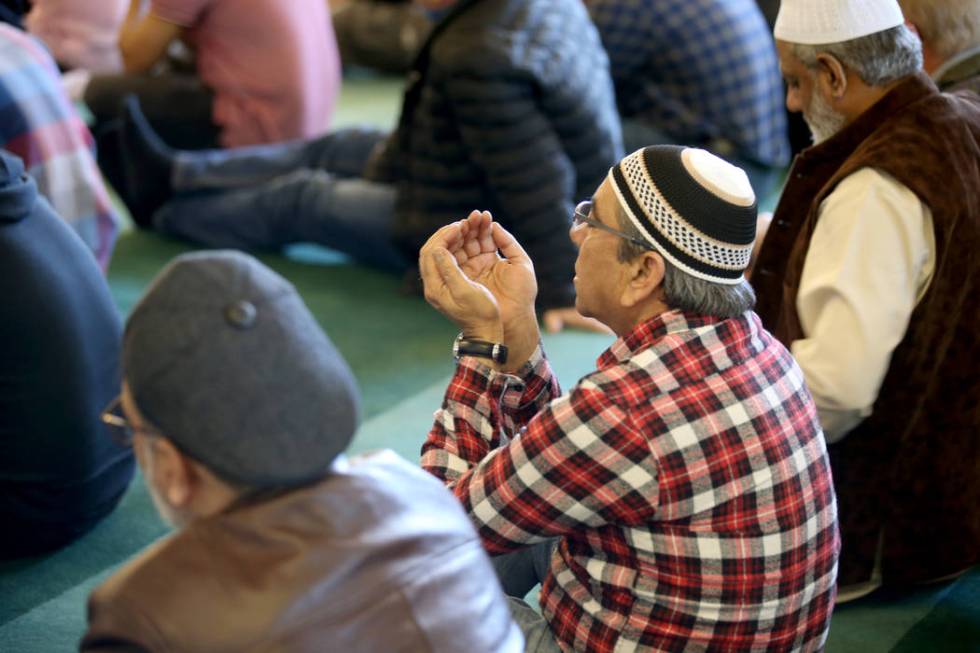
(39, 124)
(686, 478)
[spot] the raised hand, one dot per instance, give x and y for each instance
(488, 267)
(489, 255)
(452, 292)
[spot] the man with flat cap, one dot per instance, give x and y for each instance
(239, 409)
(869, 275)
(679, 497)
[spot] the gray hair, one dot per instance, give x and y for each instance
(878, 59)
(684, 291)
(947, 26)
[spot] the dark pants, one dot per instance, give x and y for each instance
(33, 525)
(177, 105)
(518, 573)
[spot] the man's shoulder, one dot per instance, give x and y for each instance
(123, 604)
(384, 471)
(869, 185)
(919, 144)
(923, 124)
(636, 375)
(683, 350)
(498, 35)
(365, 493)
(374, 507)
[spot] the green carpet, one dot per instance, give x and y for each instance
(398, 348)
(953, 624)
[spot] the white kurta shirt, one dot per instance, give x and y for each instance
(869, 263)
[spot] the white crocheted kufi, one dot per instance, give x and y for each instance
(821, 22)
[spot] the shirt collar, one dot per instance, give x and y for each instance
(646, 334)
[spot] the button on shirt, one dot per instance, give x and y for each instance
(686, 478)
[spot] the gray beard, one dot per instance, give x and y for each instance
(821, 118)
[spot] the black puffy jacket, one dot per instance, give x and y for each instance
(510, 108)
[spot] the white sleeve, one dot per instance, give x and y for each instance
(869, 262)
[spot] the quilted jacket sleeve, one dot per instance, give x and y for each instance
(526, 170)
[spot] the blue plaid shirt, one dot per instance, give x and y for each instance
(697, 70)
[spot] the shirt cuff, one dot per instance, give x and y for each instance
(528, 390)
(470, 382)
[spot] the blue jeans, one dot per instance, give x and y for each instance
(268, 196)
(518, 573)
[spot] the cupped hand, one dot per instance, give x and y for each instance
(492, 257)
(477, 274)
(466, 302)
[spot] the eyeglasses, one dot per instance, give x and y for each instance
(583, 216)
(121, 430)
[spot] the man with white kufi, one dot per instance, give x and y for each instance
(869, 274)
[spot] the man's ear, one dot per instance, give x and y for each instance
(831, 75)
(645, 276)
(173, 473)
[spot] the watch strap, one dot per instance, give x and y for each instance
(495, 351)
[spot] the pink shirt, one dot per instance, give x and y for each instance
(80, 34)
(273, 64)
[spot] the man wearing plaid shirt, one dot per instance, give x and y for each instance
(680, 495)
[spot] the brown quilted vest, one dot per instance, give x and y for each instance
(910, 471)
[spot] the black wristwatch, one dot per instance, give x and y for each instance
(480, 348)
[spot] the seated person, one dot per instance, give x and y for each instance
(512, 108)
(265, 71)
(60, 472)
(80, 34)
(239, 409)
(42, 127)
(680, 496)
(702, 72)
(950, 34)
(868, 274)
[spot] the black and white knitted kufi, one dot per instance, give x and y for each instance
(696, 209)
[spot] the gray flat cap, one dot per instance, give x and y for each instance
(222, 355)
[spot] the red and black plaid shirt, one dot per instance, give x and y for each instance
(687, 479)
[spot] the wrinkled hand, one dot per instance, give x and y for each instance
(508, 275)
(486, 285)
(467, 303)
(557, 319)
